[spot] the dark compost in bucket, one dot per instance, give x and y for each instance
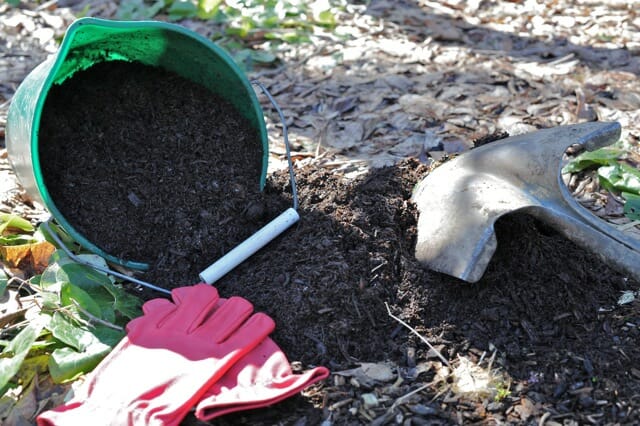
(150, 166)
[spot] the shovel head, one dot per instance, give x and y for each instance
(460, 201)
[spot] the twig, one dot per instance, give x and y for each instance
(401, 399)
(94, 319)
(442, 358)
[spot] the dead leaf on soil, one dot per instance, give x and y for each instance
(370, 373)
(35, 255)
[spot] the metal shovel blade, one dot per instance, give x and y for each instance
(460, 201)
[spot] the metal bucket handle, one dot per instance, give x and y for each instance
(240, 253)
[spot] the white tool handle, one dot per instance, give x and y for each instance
(249, 246)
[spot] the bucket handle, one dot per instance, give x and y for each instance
(240, 253)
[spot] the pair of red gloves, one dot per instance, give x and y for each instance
(200, 350)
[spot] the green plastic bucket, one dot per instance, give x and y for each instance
(89, 41)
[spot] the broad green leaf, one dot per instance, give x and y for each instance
(65, 270)
(67, 363)
(620, 177)
(125, 303)
(12, 221)
(288, 36)
(70, 332)
(270, 22)
(108, 335)
(95, 285)
(16, 239)
(16, 351)
(631, 205)
(182, 9)
(96, 261)
(50, 301)
(95, 300)
(600, 157)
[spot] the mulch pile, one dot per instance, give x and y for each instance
(147, 165)
(545, 309)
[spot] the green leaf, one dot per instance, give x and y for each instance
(182, 9)
(13, 221)
(208, 8)
(600, 157)
(288, 36)
(70, 332)
(95, 300)
(326, 18)
(16, 239)
(4, 279)
(631, 205)
(87, 349)
(107, 335)
(62, 235)
(620, 177)
(262, 56)
(138, 9)
(66, 364)
(50, 301)
(16, 351)
(126, 304)
(92, 290)
(65, 270)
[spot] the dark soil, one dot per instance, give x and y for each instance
(147, 165)
(545, 307)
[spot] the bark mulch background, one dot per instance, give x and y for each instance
(149, 187)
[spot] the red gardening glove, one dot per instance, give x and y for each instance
(259, 379)
(166, 363)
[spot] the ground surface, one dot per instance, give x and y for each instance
(422, 78)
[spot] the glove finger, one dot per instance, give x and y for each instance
(196, 304)
(226, 319)
(157, 305)
(154, 311)
(211, 407)
(249, 335)
(178, 295)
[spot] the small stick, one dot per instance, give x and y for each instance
(94, 319)
(443, 359)
(401, 399)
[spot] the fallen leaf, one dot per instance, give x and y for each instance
(34, 255)
(370, 373)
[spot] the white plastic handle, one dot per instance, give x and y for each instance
(249, 246)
